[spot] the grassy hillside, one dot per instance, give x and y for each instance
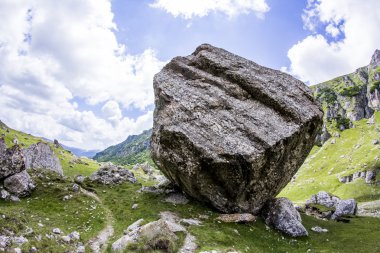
(353, 151)
(87, 216)
(71, 165)
(135, 149)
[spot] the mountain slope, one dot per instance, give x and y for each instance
(350, 97)
(135, 149)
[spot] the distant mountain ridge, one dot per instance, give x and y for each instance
(135, 149)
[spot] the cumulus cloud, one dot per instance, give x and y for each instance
(188, 9)
(344, 36)
(55, 53)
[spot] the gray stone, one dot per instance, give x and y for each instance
(11, 160)
(75, 188)
(110, 174)
(158, 233)
(81, 249)
(135, 206)
(19, 240)
(370, 176)
(281, 214)
(79, 179)
(42, 156)
(66, 238)
(17, 250)
(189, 245)
(74, 236)
(191, 222)
(5, 241)
(345, 207)
(57, 231)
(323, 198)
(20, 184)
(4, 194)
(318, 229)
(228, 131)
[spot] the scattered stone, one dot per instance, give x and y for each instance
(345, 207)
(20, 184)
(40, 225)
(81, 249)
(318, 229)
(134, 226)
(74, 236)
(110, 174)
(79, 179)
(225, 127)
(281, 214)
(4, 194)
(158, 235)
(189, 245)
(5, 241)
(33, 249)
(57, 231)
(135, 206)
(57, 144)
(75, 188)
(145, 167)
(19, 240)
(66, 238)
(237, 218)
(333, 141)
(67, 197)
(17, 250)
(176, 198)
(15, 198)
(15, 141)
(375, 142)
(323, 198)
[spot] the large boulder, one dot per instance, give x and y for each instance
(42, 156)
(20, 184)
(228, 131)
(281, 214)
(11, 160)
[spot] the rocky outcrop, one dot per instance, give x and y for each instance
(368, 176)
(19, 184)
(42, 156)
(350, 97)
(228, 131)
(110, 174)
(15, 182)
(281, 214)
(326, 206)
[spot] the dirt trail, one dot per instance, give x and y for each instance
(99, 243)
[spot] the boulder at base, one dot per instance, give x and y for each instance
(41, 156)
(228, 131)
(282, 215)
(20, 184)
(11, 160)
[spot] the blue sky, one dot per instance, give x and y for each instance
(84, 73)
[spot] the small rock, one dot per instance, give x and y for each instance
(375, 142)
(33, 250)
(17, 250)
(135, 206)
(237, 218)
(5, 241)
(74, 236)
(57, 231)
(79, 179)
(281, 214)
(134, 226)
(345, 207)
(81, 249)
(40, 225)
(5, 194)
(318, 229)
(66, 238)
(75, 188)
(19, 240)
(67, 197)
(14, 198)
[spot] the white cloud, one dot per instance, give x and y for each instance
(188, 9)
(354, 26)
(53, 53)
